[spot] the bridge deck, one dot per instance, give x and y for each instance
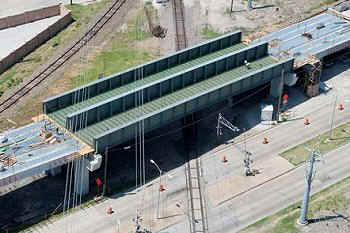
(60, 115)
(123, 119)
(29, 153)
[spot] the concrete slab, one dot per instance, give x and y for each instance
(13, 7)
(26, 153)
(319, 36)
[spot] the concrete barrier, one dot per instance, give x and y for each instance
(38, 40)
(29, 16)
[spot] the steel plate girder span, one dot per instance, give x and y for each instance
(60, 115)
(196, 102)
(167, 85)
(130, 75)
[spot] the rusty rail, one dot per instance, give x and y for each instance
(179, 17)
(44, 74)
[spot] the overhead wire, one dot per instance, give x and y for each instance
(69, 192)
(66, 192)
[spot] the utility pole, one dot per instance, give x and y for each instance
(231, 7)
(71, 2)
(105, 179)
(309, 177)
(247, 161)
(223, 121)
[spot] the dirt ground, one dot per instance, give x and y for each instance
(267, 15)
(330, 222)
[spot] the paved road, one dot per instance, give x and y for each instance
(236, 214)
(243, 210)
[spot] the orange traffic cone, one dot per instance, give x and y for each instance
(265, 140)
(340, 107)
(224, 159)
(161, 188)
(110, 210)
(306, 121)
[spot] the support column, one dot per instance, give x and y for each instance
(276, 90)
(55, 171)
(82, 176)
(276, 87)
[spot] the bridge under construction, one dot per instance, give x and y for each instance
(104, 114)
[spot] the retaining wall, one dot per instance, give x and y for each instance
(38, 40)
(29, 16)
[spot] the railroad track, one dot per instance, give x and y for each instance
(179, 17)
(195, 186)
(61, 60)
(197, 211)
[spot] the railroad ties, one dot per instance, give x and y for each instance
(179, 16)
(197, 212)
(29, 85)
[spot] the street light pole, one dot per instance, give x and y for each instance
(160, 182)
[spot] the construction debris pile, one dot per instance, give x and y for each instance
(159, 31)
(156, 30)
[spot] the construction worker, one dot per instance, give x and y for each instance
(247, 64)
